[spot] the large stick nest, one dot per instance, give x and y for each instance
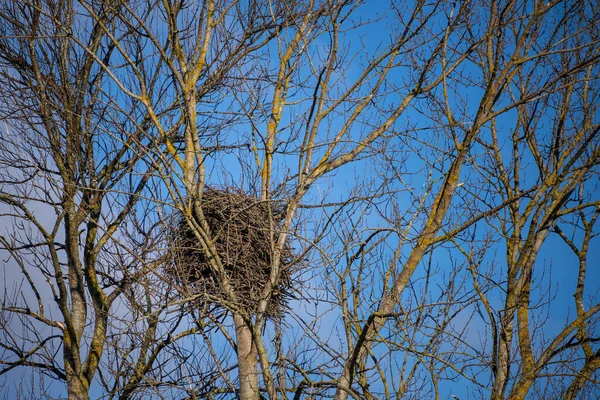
(243, 230)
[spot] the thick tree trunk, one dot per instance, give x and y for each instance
(247, 361)
(76, 388)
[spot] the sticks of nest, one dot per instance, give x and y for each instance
(243, 230)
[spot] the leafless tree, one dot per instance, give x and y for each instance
(418, 157)
(72, 174)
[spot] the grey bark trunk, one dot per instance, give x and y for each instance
(247, 361)
(76, 388)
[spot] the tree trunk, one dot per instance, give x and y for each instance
(76, 388)
(247, 360)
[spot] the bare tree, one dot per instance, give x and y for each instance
(411, 160)
(72, 175)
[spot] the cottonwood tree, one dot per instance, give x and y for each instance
(407, 147)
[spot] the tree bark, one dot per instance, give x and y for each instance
(247, 360)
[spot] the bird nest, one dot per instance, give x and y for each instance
(242, 230)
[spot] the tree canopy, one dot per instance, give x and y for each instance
(263, 199)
